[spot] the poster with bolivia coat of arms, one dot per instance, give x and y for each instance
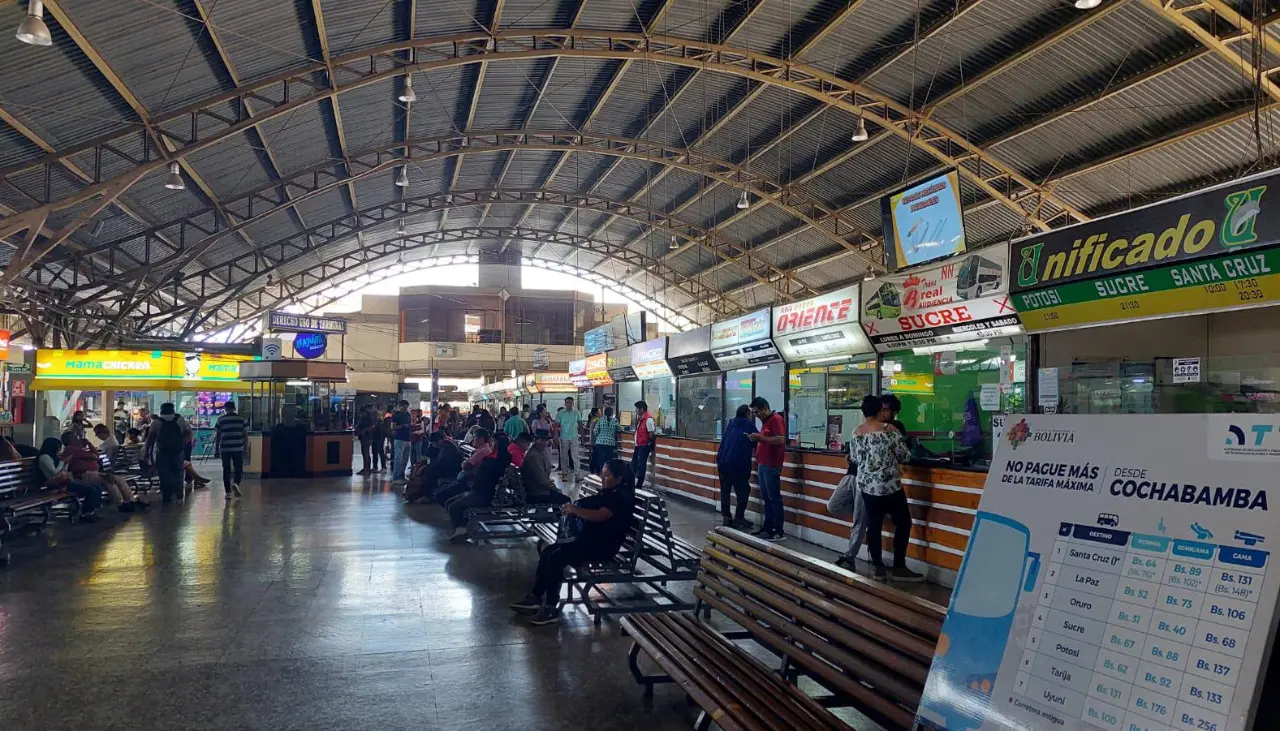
(965, 298)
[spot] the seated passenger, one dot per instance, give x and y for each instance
(594, 530)
(536, 471)
(446, 460)
(82, 461)
(487, 475)
(467, 476)
(56, 476)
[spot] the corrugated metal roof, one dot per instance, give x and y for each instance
(643, 91)
(704, 99)
(620, 15)
(302, 139)
(538, 13)
(508, 94)
(758, 123)
(355, 24)
(874, 31)
(370, 115)
(706, 20)
(264, 38)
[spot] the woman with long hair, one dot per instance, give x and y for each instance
(56, 476)
(877, 448)
(594, 529)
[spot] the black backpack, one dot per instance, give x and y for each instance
(169, 438)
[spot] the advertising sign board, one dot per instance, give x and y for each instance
(278, 321)
(965, 298)
(819, 327)
(1117, 576)
(743, 341)
(1221, 220)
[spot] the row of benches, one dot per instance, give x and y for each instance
(858, 643)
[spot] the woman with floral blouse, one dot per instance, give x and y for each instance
(878, 448)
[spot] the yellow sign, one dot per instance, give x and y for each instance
(138, 364)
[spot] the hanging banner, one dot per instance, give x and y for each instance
(649, 359)
(820, 327)
(1223, 219)
(962, 300)
(619, 362)
(578, 373)
(1231, 282)
(690, 352)
(1117, 576)
(743, 342)
(278, 321)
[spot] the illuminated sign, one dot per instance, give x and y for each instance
(833, 308)
(648, 359)
(598, 370)
(619, 362)
(578, 373)
(310, 345)
(743, 341)
(154, 364)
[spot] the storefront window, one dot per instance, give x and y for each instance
(824, 402)
(660, 395)
(739, 388)
(628, 395)
(939, 390)
(698, 406)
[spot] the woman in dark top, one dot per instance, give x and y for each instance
(602, 521)
(733, 463)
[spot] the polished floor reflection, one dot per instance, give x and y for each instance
(305, 605)
(323, 604)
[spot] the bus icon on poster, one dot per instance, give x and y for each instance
(997, 569)
(1110, 520)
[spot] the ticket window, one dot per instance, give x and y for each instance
(628, 395)
(660, 395)
(824, 403)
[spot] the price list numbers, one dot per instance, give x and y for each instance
(1136, 632)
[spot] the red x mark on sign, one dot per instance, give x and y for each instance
(1003, 303)
(871, 328)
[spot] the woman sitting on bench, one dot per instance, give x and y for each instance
(596, 528)
(56, 476)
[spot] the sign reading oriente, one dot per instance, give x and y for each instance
(1247, 279)
(1219, 220)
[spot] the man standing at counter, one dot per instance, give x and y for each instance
(569, 418)
(771, 449)
(645, 429)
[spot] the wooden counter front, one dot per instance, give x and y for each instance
(329, 454)
(943, 501)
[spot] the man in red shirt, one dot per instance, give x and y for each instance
(771, 449)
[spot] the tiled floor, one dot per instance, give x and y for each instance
(320, 604)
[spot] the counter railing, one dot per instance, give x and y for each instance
(943, 500)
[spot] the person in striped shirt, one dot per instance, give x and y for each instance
(228, 442)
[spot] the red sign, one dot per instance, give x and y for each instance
(833, 308)
(4, 343)
(935, 318)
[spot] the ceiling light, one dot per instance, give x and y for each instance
(32, 30)
(675, 243)
(870, 276)
(97, 229)
(743, 203)
(271, 279)
(174, 180)
(400, 229)
(861, 134)
(407, 96)
(402, 179)
(1087, 4)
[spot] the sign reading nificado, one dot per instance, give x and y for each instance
(1227, 218)
(278, 321)
(1117, 576)
(1234, 281)
(964, 299)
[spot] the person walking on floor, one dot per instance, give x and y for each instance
(646, 433)
(569, 420)
(733, 464)
(771, 449)
(402, 436)
(878, 448)
(228, 443)
(365, 427)
(166, 442)
(604, 440)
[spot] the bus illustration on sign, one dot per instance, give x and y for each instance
(885, 303)
(976, 277)
(997, 568)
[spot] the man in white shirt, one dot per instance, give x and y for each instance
(120, 418)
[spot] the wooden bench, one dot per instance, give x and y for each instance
(664, 550)
(26, 502)
(866, 645)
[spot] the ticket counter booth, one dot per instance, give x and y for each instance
(300, 425)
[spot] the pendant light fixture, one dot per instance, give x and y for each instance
(675, 243)
(402, 179)
(860, 135)
(407, 96)
(743, 202)
(32, 30)
(400, 229)
(174, 180)
(1087, 4)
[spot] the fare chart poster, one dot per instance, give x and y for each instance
(1118, 576)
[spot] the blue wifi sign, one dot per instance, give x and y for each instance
(310, 345)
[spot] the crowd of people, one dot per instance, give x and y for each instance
(160, 446)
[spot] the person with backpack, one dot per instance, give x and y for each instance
(166, 443)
